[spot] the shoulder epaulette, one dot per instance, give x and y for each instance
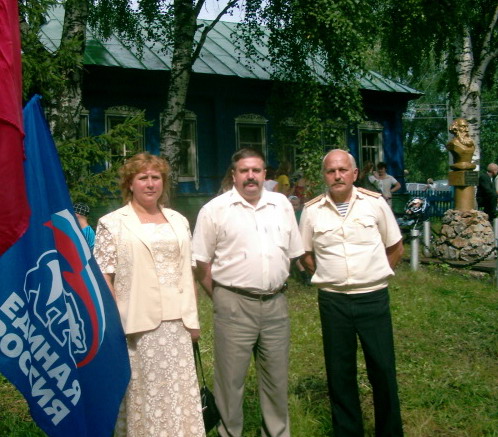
(368, 192)
(314, 200)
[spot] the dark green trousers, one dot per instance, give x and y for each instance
(345, 318)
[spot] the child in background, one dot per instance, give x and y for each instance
(82, 211)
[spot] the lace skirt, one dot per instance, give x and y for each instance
(163, 395)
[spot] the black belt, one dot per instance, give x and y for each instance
(250, 294)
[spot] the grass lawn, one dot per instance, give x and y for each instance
(446, 344)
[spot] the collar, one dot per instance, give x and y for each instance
(265, 199)
(354, 194)
(130, 218)
(327, 200)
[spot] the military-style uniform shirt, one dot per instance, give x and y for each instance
(350, 251)
(249, 246)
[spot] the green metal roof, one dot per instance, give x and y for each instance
(219, 55)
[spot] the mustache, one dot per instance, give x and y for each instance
(251, 181)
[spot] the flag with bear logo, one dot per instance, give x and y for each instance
(61, 340)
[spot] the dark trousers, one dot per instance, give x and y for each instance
(346, 317)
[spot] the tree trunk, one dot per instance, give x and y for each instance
(469, 84)
(65, 114)
(172, 117)
(471, 68)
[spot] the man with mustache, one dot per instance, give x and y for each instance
(352, 244)
(243, 242)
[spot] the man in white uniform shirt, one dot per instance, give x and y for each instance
(243, 242)
(352, 244)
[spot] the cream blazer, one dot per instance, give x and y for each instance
(138, 292)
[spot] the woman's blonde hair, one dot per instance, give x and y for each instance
(138, 163)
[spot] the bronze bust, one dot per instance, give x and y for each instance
(461, 146)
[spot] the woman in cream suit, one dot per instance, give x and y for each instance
(143, 250)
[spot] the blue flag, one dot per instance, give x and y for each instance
(61, 341)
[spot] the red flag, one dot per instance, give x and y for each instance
(14, 207)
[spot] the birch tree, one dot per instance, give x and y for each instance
(174, 24)
(462, 36)
(185, 52)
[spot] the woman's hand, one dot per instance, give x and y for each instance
(195, 334)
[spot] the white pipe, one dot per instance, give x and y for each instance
(427, 239)
(415, 234)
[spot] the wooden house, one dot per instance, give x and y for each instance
(227, 106)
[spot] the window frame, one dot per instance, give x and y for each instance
(123, 112)
(84, 124)
(191, 118)
(377, 129)
(252, 120)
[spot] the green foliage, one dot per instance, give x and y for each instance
(315, 70)
(40, 71)
(489, 124)
(317, 55)
(146, 21)
(46, 71)
(417, 30)
(425, 130)
(88, 163)
(311, 128)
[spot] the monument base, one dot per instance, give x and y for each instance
(465, 236)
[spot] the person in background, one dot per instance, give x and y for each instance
(283, 181)
(243, 243)
(486, 191)
(270, 182)
(82, 211)
(352, 244)
(296, 205)
(430, 186)
(386, 183)
(366, 179)
(226, 183)
(144, 252)
(300, 188)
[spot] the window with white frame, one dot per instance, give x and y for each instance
(370, 139)
(188, 149)
(116, 115)
(250, 130)
(84, 124)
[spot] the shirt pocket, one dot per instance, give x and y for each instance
(362, 230)
(281, 235)
(327, 234)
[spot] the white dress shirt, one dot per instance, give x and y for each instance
(249, 246)
(350, 251)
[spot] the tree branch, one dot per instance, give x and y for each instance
(207, 29)
(198, 7)
(487, 52)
